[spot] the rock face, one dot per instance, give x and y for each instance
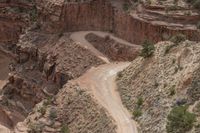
(11, 27)
(44, 64)
(167, 79)
(101, 15)
(74, 110)
(136, 30)
(14, 19)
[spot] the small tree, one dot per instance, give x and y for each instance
(148, 49)
(180, 120)
(64, 129)
(140, 101)
(137, 112)
(126, 7)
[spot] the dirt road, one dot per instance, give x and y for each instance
(100, 82)
(4, 129)
(79, 37)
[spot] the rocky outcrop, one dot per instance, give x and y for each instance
(44, 64)
(11, 27)
(15, 16)
(73, 109)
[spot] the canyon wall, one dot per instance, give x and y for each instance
(14, 18)
(96, 15)
(11, 27)
(100, 15)
(60, 16)
(57, 16)
(136, 30)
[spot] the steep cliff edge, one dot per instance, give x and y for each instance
(134, 26)
(152, 87)
(41, 71)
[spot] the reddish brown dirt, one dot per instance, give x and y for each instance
(113, 50)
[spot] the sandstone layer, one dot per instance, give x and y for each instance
(102, 15)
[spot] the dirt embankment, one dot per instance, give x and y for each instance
(113, 50)
(72, 110)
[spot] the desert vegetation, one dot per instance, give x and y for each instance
(148, 49)
(180, 120)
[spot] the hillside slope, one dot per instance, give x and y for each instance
(160, 83)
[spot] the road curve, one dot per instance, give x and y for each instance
(79, 37)
(4, 129)
(100, 81)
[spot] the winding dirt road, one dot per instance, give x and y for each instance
(100, 82)
(79, 37)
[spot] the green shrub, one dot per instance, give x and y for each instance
(64, 129)
(172, 91)
(126, 6)
(33, 14)
(148, 49)
(140, 101)
(48, 101)
(52, 114)
(178, 38)
(137, 113)
(180, 120)
(42, 110)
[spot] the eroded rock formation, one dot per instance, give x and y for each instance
(101, 15)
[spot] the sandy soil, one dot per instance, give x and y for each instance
(4, 129)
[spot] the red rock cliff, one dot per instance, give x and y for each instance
(100, 15)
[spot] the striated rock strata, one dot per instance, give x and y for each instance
(62, 16)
